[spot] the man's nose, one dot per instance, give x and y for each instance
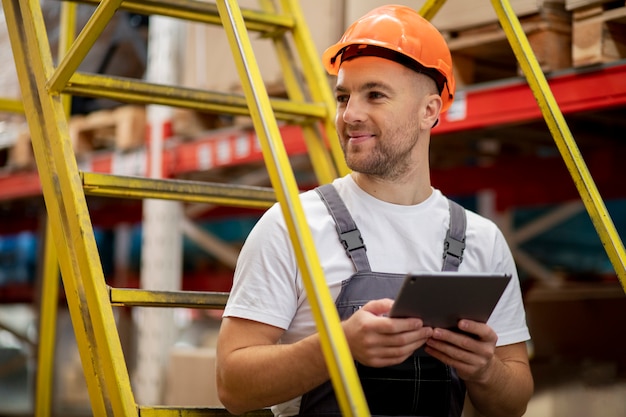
(354, 111)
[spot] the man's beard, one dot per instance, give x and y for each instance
(384, 160)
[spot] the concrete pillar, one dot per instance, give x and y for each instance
(161, 264)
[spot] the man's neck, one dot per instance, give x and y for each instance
(402, 192)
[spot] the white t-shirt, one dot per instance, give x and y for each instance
(268, 286)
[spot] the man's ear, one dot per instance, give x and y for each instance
(431, 109)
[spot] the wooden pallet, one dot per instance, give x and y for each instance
(484, 54)
(122, 128)
(190, 124)
(20, 155)
(599, 33)
(577, 4)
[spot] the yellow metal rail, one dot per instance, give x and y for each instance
(563, 138)
(314, 76)
(430, 8)
(94, 324)
(339, 360)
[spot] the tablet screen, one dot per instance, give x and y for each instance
(442, 299)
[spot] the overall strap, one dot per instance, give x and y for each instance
(348, 232)
(454, 245)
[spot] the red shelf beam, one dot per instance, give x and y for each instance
(513, 102)
(16, 185)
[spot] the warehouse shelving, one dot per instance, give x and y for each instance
(489, 105)
(502, 110)
(483, 111)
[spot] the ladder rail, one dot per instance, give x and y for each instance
(47, 327)
(317, 80)
(94, 323)
(47, 311)
(320, 158)
(339, 359)
(430, 8)
(50, 271)
(563, 138)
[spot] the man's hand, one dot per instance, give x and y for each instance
(376, 340)
(498, 379)
(470, 356)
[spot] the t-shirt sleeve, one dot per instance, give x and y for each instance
(509, 317)
(264, 285)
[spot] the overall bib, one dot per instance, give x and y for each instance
(421, 385)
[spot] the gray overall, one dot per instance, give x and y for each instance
(420, 386)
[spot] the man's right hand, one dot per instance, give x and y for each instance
(377, 340)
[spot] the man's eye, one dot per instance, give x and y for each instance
(343, 98)
(376, 95)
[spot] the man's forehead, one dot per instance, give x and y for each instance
(372, 72)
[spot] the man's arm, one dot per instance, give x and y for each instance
(253, 371)
(498, 379)
(509, 387)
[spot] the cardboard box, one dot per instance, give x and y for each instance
(454, 14)
(190, 378)
(9, 85)
(209, 63)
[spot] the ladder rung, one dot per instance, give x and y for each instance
(246, 196)
(205, 12)
(145, 411)
(150, 298)
(136, 91)
(11, 105)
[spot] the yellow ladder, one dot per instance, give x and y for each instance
(563, 138)
(64, 187)
(557, 125)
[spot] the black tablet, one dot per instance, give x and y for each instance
(442, 299)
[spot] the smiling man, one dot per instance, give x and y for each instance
(394, 79)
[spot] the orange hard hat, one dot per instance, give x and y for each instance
(400, 34)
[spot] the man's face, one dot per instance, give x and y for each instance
(378, 116)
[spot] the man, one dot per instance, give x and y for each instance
(394, 78)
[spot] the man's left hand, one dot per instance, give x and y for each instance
(471, 354)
